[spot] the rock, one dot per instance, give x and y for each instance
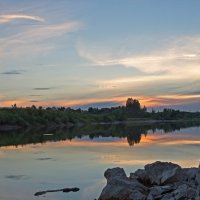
(120, 187)
(150, 197)
(190, 173)
(184, 192)
(157, 181)
(136, 195)
(115, 172)
(197, 178)
(157, 192)
(163, 172)
(168, 196)
(142, 176)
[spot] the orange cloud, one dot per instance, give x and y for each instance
(149, 101)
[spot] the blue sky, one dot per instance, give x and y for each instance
(82, 53)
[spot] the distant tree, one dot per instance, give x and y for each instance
(133, 105)
(14, 106)
(93, 110)
(144, 109)
(79, 110)
(90, 110)
(62, 108)
(33, 107)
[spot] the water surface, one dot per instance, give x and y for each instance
(42, 160)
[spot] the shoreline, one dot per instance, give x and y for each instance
(136, 121)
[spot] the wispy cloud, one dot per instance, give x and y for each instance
(43, 88)
(181, 56)
(151, 86)
(35, 95)
(49, 31)
(14, 17)
(13, 72)
(37, 39)
(34, 101)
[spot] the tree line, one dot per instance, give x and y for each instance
(62, 116)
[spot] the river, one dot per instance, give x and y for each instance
(31, 161)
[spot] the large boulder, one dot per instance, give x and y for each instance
(115, 173)
(161, 173)
(120, 187)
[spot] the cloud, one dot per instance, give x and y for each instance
(43, 88)
(35, 95)
(16, 177)
(181, 56)
(152, 87)
(9, 18)
(49, 31)
(13, 72)
(35, 39)
(34, 101)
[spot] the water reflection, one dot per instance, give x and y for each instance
(81, 155)
(133, 133)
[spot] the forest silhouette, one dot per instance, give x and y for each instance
(61, 116)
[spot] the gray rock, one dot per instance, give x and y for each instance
(142, 176)
(115, 172)
(150, 197)
(190, 174)
(184, 192)
(197, 198)
(197, 178)
(163, 172)
(122, 188)
(157, 181)
(136, 196)
(158, 192)
(168, 196)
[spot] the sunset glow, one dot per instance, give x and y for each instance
(151, 101)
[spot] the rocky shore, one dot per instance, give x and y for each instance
(157, 181)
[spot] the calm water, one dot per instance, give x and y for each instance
(70, 158)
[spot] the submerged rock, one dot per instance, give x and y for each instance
(157, 181)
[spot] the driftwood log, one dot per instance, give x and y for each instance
(75, 189)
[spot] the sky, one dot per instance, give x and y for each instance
(99, 53)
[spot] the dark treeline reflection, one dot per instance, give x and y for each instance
(132, 132)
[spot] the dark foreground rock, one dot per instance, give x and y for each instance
(59, 190)
(157, 181)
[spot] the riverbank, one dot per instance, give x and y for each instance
(133, 121)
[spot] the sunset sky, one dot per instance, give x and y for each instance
(97, 53)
